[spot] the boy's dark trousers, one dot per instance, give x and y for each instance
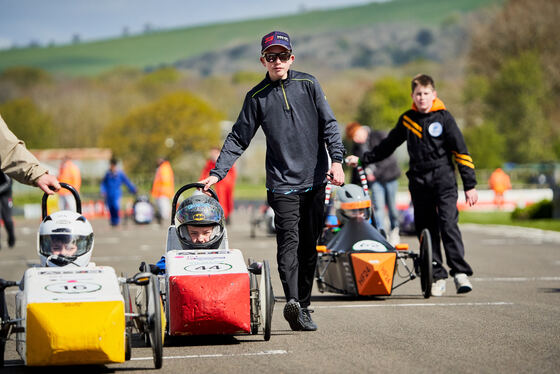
(298, 219)
(434, 196)
(6, 215)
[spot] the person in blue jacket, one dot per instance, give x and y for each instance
(112, 192)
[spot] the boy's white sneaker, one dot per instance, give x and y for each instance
(394, 237)
(438, 288)
(462, 283)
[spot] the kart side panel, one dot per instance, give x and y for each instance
(208, 292)
(337, 273)
(73, 316)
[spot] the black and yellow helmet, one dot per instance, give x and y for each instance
(200, 210)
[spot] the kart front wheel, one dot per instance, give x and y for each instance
(266, 300)
(254, 300)
(128, 322)
(2, 349)
(426, 263)
(153, 309)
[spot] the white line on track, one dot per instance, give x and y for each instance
(217, 355)
(499, 303)
(515, 279)
(262, 353)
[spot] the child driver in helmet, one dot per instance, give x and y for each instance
(199, 225)
(63, 245)
(65, 238)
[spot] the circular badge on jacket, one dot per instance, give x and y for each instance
(435, 129)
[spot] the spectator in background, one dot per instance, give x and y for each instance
(382, 178)
(224, 188)
(163, 188)
(499, 181)
(112, 192)
(20, 164)
(68, 173)
(6, 205)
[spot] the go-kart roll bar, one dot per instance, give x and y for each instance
(69, 188)
(183, 189)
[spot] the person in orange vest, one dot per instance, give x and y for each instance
(499, 181)
(224, 188)
(163, 188)
(68, 173)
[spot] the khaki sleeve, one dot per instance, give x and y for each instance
(16, 160)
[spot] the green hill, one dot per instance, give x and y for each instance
(166, 47)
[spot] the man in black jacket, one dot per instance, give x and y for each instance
(6, 205)
(433, 141)
(382, 178)
(301, 133)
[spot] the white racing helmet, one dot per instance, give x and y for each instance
(65, 238)
(351, 201)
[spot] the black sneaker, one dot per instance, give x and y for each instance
(11, 241)
(294, 315)
(308, 324)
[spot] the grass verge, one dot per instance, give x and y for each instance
(504, 218)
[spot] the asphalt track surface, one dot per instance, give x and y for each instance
(508, 323)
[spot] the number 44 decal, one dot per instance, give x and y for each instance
(208, 268)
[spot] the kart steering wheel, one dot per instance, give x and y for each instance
(69, 188)
(183, 189)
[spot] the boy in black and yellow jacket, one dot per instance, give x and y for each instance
(433, 141)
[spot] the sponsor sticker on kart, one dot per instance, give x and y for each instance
(203, 252)
(369, 245)
(202, 259)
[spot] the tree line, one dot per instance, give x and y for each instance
(507, 100)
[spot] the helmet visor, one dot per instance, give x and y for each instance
(200, 234)
(65, 244)
(363, 213)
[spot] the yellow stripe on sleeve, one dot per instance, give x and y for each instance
(463, 162)
(412, 123)
(464, 159)
(414, 131)
(463, 156)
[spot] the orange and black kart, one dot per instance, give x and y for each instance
(359, 261)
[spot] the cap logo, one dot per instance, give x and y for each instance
(269, 39)
(282, 37)
(198, 217)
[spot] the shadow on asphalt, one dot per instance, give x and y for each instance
(200, 340)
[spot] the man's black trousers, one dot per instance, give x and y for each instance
(434, 196)
(6, 215)
(298, 219)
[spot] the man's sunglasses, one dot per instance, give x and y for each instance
(283, 56)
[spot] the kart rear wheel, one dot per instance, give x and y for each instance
(153, 309)
(266, 297)
(426, 263)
